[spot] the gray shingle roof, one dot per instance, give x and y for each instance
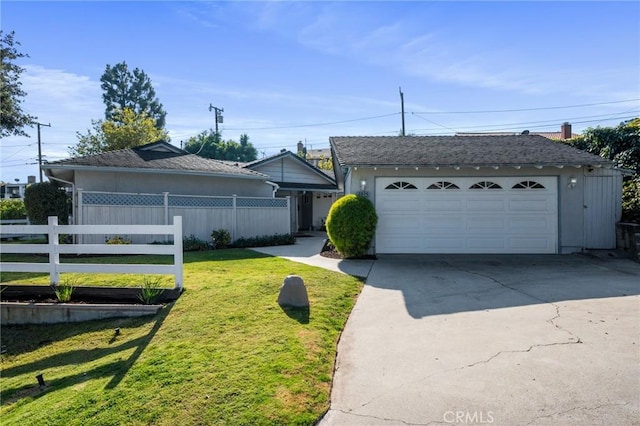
(175, 160)
(520, 150)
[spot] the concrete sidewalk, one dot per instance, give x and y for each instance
(307, 250)
(490, 339)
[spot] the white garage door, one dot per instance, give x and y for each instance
(467, 215)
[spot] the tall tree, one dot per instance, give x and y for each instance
(133, 90)
(209, 144)
(126, 130)
(12, 118)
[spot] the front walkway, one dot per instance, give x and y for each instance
(307, 250)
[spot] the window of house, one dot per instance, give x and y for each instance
(401, 185)
(528, 184)
(485, 184)
(443, 184)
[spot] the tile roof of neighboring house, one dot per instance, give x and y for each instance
(158, 157)
(556, 136)
(317, 154)
(470, 151)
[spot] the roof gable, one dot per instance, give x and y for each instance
(287, 167)
(460, 151)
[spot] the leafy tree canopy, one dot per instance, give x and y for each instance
(620, 144)
(12, 118)
(209, 144)
(126, 130)
(124, 89)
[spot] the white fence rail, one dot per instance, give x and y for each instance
(54, 249)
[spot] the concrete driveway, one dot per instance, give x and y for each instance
(491, 339)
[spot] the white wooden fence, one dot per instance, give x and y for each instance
(54, 249)
(240, 216)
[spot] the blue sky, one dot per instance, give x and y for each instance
(304, 71)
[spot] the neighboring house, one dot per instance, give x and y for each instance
(481, 194)
(312, 191)
(153, 182)
(15, 190)
(564, 133)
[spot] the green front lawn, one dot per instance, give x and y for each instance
(223, 353)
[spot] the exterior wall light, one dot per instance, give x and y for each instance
(573, 181)
(363, 188)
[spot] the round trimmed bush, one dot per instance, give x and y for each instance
(351, 225)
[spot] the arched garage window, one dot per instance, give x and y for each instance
(528, 184)
(485, 184)
(443, 184)
(401, 185)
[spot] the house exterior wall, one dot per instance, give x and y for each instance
(173, 183)
(289, 170)
(571, 215)
(321, 204)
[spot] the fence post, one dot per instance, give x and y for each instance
(234, 219)
(166, 207)
(178, 259)
(79, 239)
(54, 255)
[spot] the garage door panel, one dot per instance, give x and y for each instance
(539, 205)
(486, 224)
(442, 205)
(433, 245)
(531, 224)
(480, 206)
(394, 205)
(529, 243)
(514, 219)
(485, 243)
(433, 223)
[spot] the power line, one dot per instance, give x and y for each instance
(528, 109)
(311, 125)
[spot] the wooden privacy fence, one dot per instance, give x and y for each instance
(241, 216)
(54, 249)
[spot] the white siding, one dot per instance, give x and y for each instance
(290, 170)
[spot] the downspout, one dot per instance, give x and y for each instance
(275, 187)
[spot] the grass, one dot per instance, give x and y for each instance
(224, 353)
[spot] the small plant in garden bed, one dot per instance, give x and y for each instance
(193, 243)
(221, 238)
(64, 291)
(150, 290)
(117, 240)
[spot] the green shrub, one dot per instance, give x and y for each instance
(64, 291)
(42, 200)
(117, 240)
(631, 200)
(193, 243)
(351, 225)
(265, 241)
(12, 209)
(221, 238)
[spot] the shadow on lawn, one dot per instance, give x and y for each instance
(117, 369)
(299, 314)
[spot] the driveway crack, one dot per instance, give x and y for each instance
(524, 293)
(385, 419)
(560, 413)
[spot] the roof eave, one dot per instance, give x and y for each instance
(259, 176)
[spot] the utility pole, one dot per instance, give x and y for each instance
(40, 148)
(218, 113)
(402, 107)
